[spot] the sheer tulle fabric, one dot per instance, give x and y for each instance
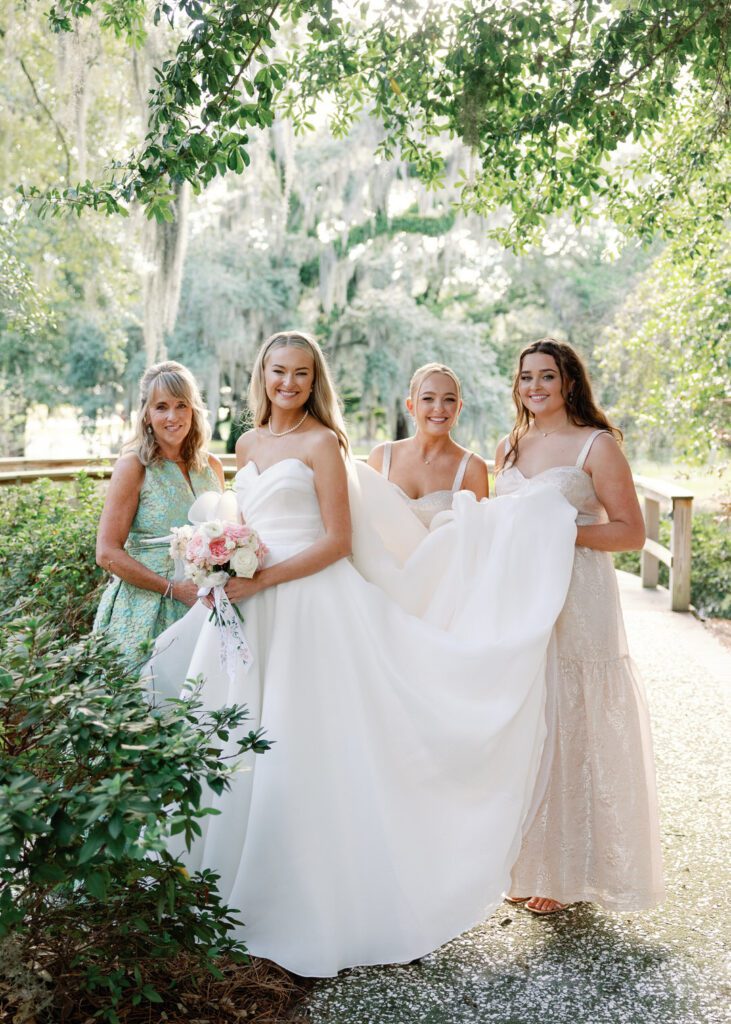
(407, 718)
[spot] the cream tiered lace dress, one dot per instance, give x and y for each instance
(594, 835)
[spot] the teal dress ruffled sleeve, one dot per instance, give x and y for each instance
(129, 615)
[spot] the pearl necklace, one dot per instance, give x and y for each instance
(281, 433)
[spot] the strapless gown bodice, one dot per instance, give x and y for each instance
(280, 503)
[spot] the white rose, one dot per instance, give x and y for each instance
(211, 529)
(217, 579)
(179, 541)
(244, 562)
(190, 571)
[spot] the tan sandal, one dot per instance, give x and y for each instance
(554, 910)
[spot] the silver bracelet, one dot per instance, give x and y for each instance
(168, 591)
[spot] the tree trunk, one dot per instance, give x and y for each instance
(402, 423)
(164, 246)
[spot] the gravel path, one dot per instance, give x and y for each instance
(669, 966)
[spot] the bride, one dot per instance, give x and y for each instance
(388, 813)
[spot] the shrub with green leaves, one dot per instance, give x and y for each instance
(710, 574)
(47, 545)
(95, 780)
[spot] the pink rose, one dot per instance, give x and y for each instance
(236, 532)
(219, 551)
(197, 549)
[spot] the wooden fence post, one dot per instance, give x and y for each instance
(680, 546)
(650, 563)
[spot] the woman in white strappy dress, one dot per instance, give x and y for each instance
(594, 834)
(429, 468)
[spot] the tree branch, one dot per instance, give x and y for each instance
(51, 118)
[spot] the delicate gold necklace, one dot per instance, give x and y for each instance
(281, 433)
(433, 458)
(546, 433)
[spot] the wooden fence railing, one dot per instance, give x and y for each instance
(678, 556)
(653, 493)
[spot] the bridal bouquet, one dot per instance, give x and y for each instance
(212, 552)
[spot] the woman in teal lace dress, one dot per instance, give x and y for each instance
(154, 483)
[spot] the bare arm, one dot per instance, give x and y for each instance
(215, 463)
(116, 519)
(475, 478)
(375, 459)
(612, 479)
(500, 454)
(332, 493)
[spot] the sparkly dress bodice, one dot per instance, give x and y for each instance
(573, 481)
(429, 505)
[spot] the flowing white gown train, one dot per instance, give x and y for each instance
(406, 711)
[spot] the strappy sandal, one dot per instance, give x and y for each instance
(518, 899)
(544, 913)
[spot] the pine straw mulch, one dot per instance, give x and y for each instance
(257, 992)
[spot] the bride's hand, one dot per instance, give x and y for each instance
(238, 588)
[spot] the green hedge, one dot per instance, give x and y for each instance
(47, 545)
(710, 579)
(97, 919)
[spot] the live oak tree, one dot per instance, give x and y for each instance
(620, 105)
(614, 110)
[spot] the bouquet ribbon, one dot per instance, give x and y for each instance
(233, 647)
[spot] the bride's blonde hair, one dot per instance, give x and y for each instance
(322, 402)
(178, 381)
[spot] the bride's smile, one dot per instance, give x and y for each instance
(288, 379)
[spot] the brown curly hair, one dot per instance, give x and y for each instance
(581, 407)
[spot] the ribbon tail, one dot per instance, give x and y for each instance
(233, 646)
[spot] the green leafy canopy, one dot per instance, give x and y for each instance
(566, 105)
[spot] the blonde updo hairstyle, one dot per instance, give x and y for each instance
(322, 402)
(179, 382)
(427, 370)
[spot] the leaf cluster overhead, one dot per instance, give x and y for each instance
(568, 105)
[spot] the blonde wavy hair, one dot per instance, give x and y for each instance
(427, 370)
(323, 400)
(178, 381)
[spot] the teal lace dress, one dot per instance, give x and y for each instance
(128, 614)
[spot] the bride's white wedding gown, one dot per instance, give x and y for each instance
(388, 813)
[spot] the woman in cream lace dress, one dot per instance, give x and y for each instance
(594, 832)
